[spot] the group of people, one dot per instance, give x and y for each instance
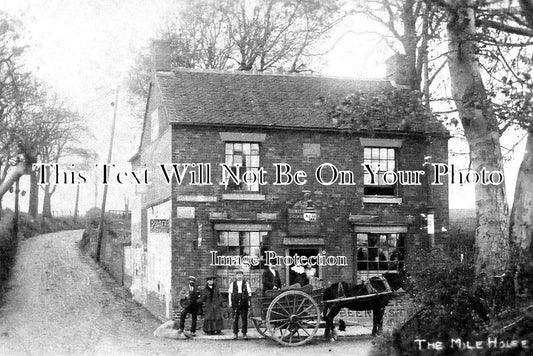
(239, 298)
(192, 299)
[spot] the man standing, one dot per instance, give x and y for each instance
(189, 300)
(239, 294)
(271, 280)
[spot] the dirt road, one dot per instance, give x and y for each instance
(61, 303)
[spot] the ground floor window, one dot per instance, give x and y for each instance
(377, 253)
(244, 244)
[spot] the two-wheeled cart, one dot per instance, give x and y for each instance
(292, 317)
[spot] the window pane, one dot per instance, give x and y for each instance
(229, 148)
(237, 147)
(254, 148)
(254, 238)
(396, 255)
(233, 238)
(401, 240)
(244, 238)
(362, 254)
(229, 160)
(383, 153)
(255, 161)
(373, 254)
(392, 240)
(362, 240)
(237, 160)
(246, 148)
(375, 154)
(382, 240)
(222, 238)
(372, 240)
(366, 153)
(233, 251)
(391, 154)
(248, 161)
(383, 265)
(381, 180)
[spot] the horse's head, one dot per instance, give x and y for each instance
(396, 280)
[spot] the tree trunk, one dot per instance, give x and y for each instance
(33, 208)
(481, 131)
(521, 223)
(20, 169)
(409, 42)
(47, 209)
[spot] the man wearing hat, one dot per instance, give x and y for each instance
(189, 300)
(239, 294)
(271, 280)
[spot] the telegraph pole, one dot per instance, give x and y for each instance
(102, 213)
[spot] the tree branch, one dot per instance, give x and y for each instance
(506, 28)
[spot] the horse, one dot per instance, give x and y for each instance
(380, 291)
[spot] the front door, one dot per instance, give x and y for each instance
(302, 274)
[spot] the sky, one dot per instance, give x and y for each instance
(83, 50)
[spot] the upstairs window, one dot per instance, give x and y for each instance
(246, 156)
(381, 159)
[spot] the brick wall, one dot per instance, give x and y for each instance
(335, 203)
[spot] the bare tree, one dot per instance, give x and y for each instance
(508, 34)
(244, 35)
(53, 129)
(277, 33)
(479, 122)
(200, 35)
(85, 159)
(411, 28)
(16, 154)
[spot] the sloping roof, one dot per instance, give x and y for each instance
(266, 100)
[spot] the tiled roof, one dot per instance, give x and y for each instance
(266, 100)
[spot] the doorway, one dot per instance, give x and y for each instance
(300, 275)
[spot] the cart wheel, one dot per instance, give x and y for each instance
(261, 326)
(293, 318)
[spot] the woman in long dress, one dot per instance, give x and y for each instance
(213, 322)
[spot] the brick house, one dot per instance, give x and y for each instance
(257, 120)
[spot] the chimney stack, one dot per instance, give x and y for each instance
(161, 52)
(398, 71)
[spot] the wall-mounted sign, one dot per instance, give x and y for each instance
(304, 219)
(310, 216)
(160, 226)
(185, 212)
